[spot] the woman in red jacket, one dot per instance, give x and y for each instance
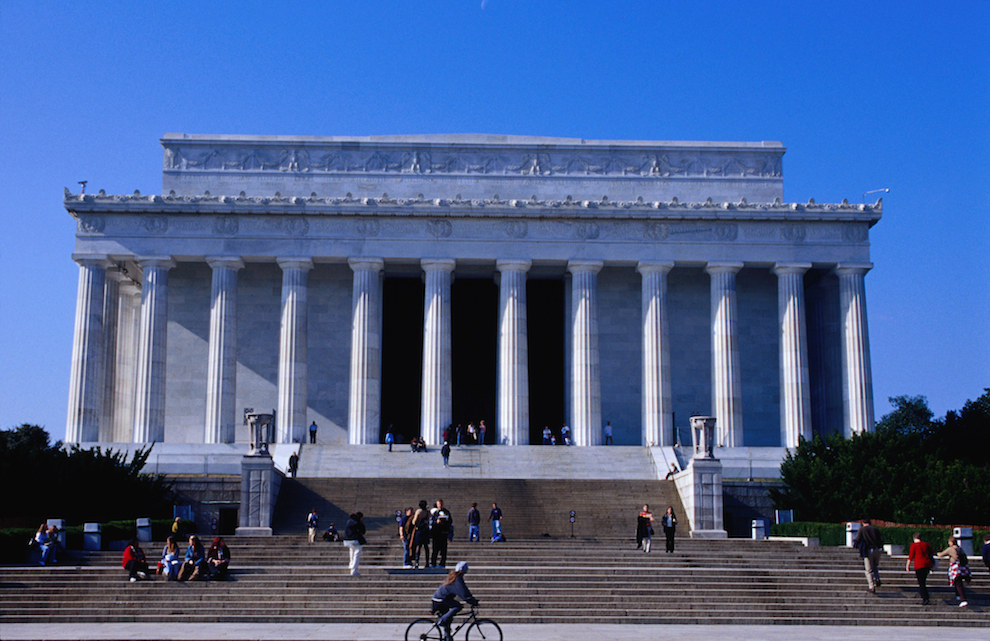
(134, 561)
(922, 556)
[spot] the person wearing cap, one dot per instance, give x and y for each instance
(445, 602)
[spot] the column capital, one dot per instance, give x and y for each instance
(165, 262)
(790, 268)
(93, 260)
(366, 263)
(228, 262)
(723, 267)
(852, 269)
(438, 264)
(513, 264)
(295, 262)
(654, 266)
(578, 266)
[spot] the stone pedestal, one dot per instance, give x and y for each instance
(700, 487)
(260, 483)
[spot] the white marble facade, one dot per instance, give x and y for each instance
(255, 280)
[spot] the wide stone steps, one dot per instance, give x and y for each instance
(531, 581)
(531, 507)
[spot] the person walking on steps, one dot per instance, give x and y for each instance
(389, 438)
(922, 557)
(445, 603)
(669, 523)
(353, 540)
(869, 542)
(474, 524)
(958, 570)
(312, 432)
(644, 529)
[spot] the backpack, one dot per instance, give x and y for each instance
(963, 559)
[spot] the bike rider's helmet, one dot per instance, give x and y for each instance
(461, 567)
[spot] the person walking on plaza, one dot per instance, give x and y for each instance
(474, 524)
(958, 570)
(312, 432)
(481, 432)
(669, 523)
(389, 438)
(445, 453)
(353, 540)
(440, 522)
(644, 529)
(869, 542)
(312, 522)
(608, 433)
(495, 516)
(922, 557)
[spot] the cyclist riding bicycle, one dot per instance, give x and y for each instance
(445, 601)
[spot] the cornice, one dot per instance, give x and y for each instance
(490, 207)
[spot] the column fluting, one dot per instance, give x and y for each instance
(586, 390)
(149, 390)
(111, 312)
(513, 353)
(726, 383)
(86, 383)
(857, 376)
(128, 325)
(437, 405)
(221, 372)
(795, 400)
(293, 351)
(657, 403)
(365, 402)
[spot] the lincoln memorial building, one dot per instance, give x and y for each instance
(424, 281)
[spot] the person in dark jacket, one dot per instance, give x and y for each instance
(869, 542)
(353, 540)
(445, 602)
(218, 559)
(134, 561)
(669, 523)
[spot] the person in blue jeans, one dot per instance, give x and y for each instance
(445, 598)
(474, 523)
(495, 516)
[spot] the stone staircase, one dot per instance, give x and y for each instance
(557, 580)
(531, 507)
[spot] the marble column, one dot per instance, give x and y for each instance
(365, 403)
(657, 402)
(86, 381)
(513, 353)
(726, 383)
(221, 372)
(795, 391)
(857, 377)
(111, 311)
(128, 322)
(586, 389)
(437, 395)
(149, 385)
(292, 353)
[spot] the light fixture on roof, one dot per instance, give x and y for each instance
(883, 190)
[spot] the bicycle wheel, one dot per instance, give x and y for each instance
(423, 630)
(484, 630)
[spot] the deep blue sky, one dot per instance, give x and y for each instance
(864, 95)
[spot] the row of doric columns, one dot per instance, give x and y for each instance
(118, 361)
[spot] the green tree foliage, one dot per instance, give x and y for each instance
(912, 469)
(39, 480)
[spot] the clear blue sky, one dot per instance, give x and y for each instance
(864, 95)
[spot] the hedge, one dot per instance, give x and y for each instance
(14, 541)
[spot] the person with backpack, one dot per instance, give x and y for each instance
(958, 570)
(922, 557)
(420, 539)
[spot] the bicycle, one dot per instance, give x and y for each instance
(477, 629)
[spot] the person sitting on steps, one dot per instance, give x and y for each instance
(445, 603)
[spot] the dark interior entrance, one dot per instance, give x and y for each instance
(474, 339)
(402, 356)
(545, 330)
